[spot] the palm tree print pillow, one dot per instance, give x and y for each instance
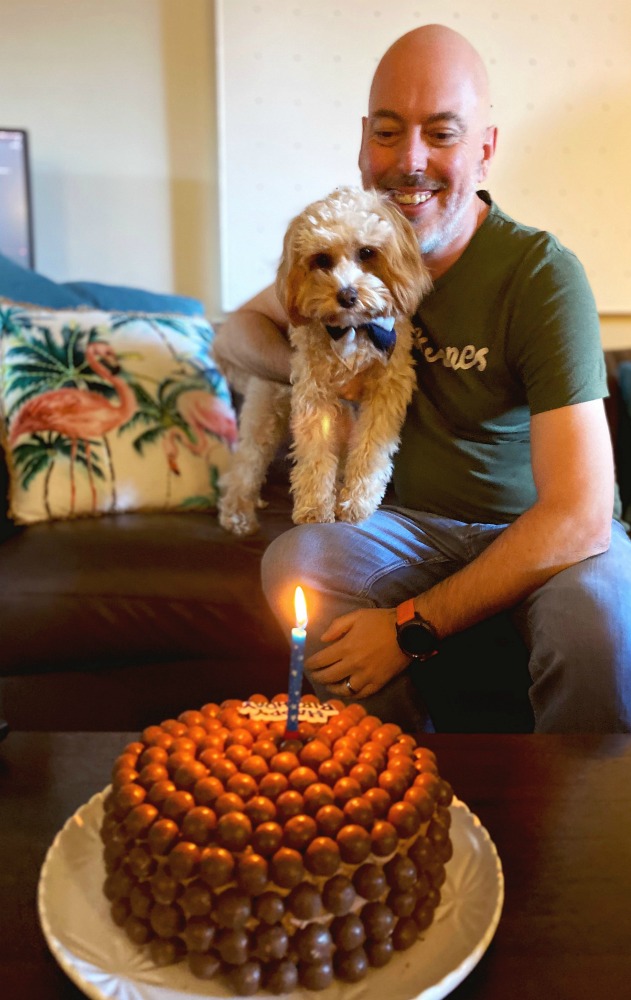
(105, 412)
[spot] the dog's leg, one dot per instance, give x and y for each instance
(314, 419)
(263, 423)
(373, 444)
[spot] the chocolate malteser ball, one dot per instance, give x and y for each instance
(379, 953)
(242, 784)
(405, 933)
(273, 784)
(360, 811)
(284, 762)
(423, 915)
(118, 885)
(330, 820)
(404, 818)
(188, 773)
(317, 795)
(196, 900)
(269, 907)
(392, 783)
(164, 886)
(379, 800)
(338, 895)
(203, 965)
(322, 856)
(141, 900)
(350, 966)
(252, 874)
(436, 832)
(422, 852)
(429, 782)
(140, 818)
(281, 977)
(330, 771)
(162, 836)
(378, 920)
(313, 943)
(370, 881)
(255, 766)
(119, 911)
(198, 825)
(159, 792)
(345, 789)
(265, 748)
(354, 843)
(233, 946)
(141, 863)
(301, 777)
(216, 866)
(400, 872)
(421, 800)
(288, 804)
(229, 802)
(165, 951)
(402, 902)
(151, 773)
(270, 942)
(314, 753)
(199, 934)
(384, 838)
(245, 979)
(304, 901)
(316, 975)
(286, 868)
(260, 809)
(299, 831)
(232, 909)
(166, 921)
(348, 932)
(365, 775)
(177, 804)
(234, 830)
(183, 860)
(445, 793)
(267, 838)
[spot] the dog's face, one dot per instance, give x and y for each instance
(349, 258)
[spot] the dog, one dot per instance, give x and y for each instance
(350, 276)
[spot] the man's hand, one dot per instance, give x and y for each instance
(363, 649)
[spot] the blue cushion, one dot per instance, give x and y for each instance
(22, 285)
(125, 299)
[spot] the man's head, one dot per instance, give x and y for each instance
(427, 138)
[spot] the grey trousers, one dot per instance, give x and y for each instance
(576, 628)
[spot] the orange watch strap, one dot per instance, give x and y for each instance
(405, 611)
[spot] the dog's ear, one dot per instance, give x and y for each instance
(408, 277)
(290, 276)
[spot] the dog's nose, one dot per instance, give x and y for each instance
(347, 297)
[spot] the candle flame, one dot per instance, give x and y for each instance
(300, 606)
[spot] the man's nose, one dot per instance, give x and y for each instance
(414, 153)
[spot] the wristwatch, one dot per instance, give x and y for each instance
(416, 636)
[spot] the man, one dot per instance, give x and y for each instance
(505, 475)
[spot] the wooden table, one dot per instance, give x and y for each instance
(557, 807)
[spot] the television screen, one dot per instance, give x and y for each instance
(16, 223)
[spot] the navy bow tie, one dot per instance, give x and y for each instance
(380, 332)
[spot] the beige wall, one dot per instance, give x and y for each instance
(119, 100)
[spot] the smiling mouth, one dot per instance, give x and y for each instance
(414, 198)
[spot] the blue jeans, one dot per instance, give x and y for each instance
(576, 628)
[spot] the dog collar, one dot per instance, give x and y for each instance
(380, 332)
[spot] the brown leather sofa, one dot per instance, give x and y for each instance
(117, 622)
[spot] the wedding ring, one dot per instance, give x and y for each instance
(350, 687)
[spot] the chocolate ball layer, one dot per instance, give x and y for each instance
(275, 862)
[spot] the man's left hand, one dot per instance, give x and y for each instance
(362, 648)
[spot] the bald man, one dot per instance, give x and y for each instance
(504, 480)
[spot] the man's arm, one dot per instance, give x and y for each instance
(570, 521)
(253, 339)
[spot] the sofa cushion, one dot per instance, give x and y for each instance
(107, 412)
(23, 285)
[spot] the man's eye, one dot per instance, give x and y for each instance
(365, 253)
(444, 138)
(321, 262)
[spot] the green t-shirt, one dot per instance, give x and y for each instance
(509, 331)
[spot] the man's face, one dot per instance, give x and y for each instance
(425, 143)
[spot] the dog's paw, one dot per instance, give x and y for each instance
(238, 517)
(352, 510)
(313, 515)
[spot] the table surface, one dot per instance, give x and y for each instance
(557, 807)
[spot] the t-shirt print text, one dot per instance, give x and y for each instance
(458, 358)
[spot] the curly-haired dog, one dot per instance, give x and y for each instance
(350, 275)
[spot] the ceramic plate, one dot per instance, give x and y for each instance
(98, 956)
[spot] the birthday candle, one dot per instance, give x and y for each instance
(296, 663)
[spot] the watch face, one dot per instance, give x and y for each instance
(416, 640)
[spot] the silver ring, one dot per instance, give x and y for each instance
(350, 687)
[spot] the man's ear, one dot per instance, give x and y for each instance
(489, 142)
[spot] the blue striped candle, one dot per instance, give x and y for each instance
(296, 663)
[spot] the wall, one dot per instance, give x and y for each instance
(118, 99)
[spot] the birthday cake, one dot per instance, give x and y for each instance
(272, 860)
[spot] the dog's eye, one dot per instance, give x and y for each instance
(366, 253)
(321, 262)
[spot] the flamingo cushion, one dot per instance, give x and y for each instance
(105, 412)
